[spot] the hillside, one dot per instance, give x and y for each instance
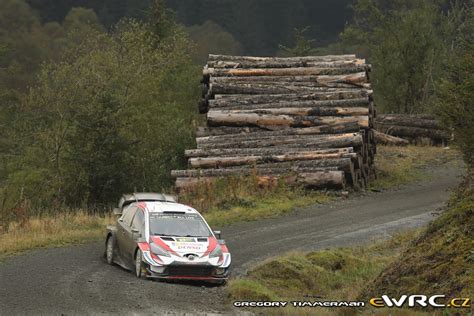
(441, 259)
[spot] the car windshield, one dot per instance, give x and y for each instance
(182, 225)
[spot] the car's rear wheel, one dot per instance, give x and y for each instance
(139, 268)
(109, 250)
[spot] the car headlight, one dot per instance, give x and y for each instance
(157, 250)
(217, 252)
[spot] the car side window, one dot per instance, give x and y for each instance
(128, 215)
(139, 221)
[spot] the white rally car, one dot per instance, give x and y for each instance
(167, 240)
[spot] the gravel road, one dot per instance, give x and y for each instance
(76, 280)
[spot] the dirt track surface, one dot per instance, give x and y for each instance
(76, 280)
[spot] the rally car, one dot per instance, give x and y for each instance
(166, 240)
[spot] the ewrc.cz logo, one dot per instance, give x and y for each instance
(420, 301)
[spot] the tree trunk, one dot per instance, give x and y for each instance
(284, 63)
(316, 180)
(214, 57)
(230, 152)
(385, 139)
(280, 88)
(222, 100)
(219, 162)
(245, 134)
(322, 80)
(324, 141)
(411, 121)
(244, 171)
(299, 71)
(359, 102)
(316, 111)
(222, 118)
(412, 132)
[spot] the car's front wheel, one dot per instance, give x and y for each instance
(139, 268)
(110, 250)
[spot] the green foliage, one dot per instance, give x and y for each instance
(212, 38)
(403, 41)
(456, 91)
(303, 46)
(114, 115)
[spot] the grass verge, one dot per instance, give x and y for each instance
(402, 165)
(238, 199)
(329, 274)
(52, 231)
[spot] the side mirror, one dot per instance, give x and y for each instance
(117, 211)
(217, 233)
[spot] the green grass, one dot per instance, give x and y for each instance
(254, 208)
(52, 231)
(402, 165)
(239, 199)
(329, 274)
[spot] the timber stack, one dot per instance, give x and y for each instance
(412, 127)
(302, 120)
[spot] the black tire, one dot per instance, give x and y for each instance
(139, 267)
(110, 249)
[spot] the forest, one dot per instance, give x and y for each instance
(100, 97)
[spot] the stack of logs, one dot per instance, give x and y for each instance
(305, 120)
(412, 127)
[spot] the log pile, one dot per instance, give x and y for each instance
(304, 120)
(412, 127)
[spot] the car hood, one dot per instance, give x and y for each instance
(181, 246)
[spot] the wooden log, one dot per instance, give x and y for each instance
(317, 180)
(280, 88)
(323, 80)
(299, 71)
(385, 139)
(315, 111)
(344, 164)
(412, 132)
(330, 141)
(411, 121)
(223, 118)
(245, 134)
(215, 57)
(311, 179)
(230, 152)
(284, 63)
(220, 162)
(270, 136)
(358, 102)
(417, 116)
(222, 100)
(243, 171)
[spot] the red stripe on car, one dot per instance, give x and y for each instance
(212, 245)
(144, 246)
(162, 244)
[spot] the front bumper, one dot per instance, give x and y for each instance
(188, 272)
